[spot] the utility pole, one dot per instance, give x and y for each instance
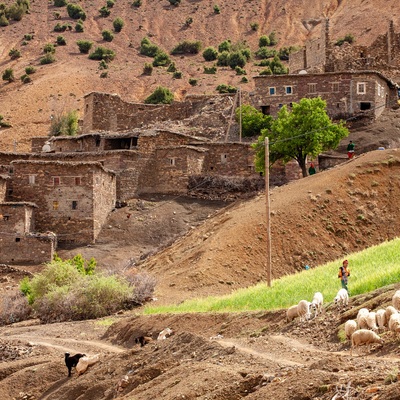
(268, 214)
(240, 115)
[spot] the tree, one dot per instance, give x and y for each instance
(253, 121)
(305, 131)
(161, 95)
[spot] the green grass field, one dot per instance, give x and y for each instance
(370, 269)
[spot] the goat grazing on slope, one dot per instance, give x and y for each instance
(72, 361)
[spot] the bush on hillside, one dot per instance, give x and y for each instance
(223, 58)
(210, 70)
(65, 124)
(216, 9)
(14, 54)
(226, 45)
(26, 78)
(4, 124)
(161, 95)
(75, 11)
(3, 20)
(175, 2)
(60, 3)
(118, 24)
(84, 46)
(192, 81)
(30, 69)
(49, 48)
(161, 59)
(210, 53)
(187, 47)
(147, 69)
(236, 59)
(8, 75)
(61, 41)
(101, 53)
(137, 3)
(104, 12)
(107, 36)
(226, 88)
(79, 27)
(263, 41)
(148, 48)
(349, 38)
(110, 3)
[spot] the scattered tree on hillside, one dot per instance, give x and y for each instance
(161, 95)
(253, 121)
(64, 124)
(305, 131)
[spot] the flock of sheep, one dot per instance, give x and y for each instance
(361, 331)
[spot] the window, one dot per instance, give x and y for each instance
(361, 88)
(55, 205)
(266, 110)
(56, 180)
(224, 158)
(6, 217)
(365, 105)
(312, 88)
(74, 205)
(77, 180)
(272, 91)
(335, 87)
(280, 106)
(288, 89)
(32, 179)
(17, 239)
(172, 162)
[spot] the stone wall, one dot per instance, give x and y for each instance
(16, 218)
(65, 194)
(27, 249)
(3, 188)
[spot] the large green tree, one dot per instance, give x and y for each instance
(253, 121)
(303, 132)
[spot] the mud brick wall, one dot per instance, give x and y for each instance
(68, 207)
(84, 144)
(3, 189)
(37, 143)
(15, 249)
(16, 218)
(297, 61)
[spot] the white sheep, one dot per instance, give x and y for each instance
(394, 323)
(303, 310)
(167, 332)
(350, 327)
(371, 321)
(342, 298)
(381, 318)
(396, 300)
(85, 362)
(364, 336)
(389, 311)
(362, 318)
(291, 313)
(317, 303)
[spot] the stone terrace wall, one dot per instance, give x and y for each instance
(27, 249)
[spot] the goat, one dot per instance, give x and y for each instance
(143, 340)
(72, 361)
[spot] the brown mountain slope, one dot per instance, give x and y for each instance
(60, 86)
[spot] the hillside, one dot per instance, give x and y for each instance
(61, 86)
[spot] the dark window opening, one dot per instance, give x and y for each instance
(211, 168)
(74, 204)
(365, 106)
(117, 144)
(338, 105)
(77, 180)
(134, 141)
(6, 217)
(266, 110)
(98, 141)
(17, 239)
(290, 105)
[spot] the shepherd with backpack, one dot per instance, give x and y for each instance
(344, 273)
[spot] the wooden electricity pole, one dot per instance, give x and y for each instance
(268, 214)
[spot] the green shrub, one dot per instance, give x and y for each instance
(223, 58)
(210, 70)
(16, 12)
(61, 41)
(84, 46)
(104, 74)
(226, 45)
(8, 75)
(177, 75)
(265, 53)
(47, 59)
(4, 124)
(110, 3)
(210, 54)
(161, 95)
(189, 21)
(3, 20)
(148, 48)
(103, 64)
(60, 3)
(104, 12)
(263, 41)
(277, 67)
(75, 11)
(57, 15)
(49, 48)
(187, 47)
(171, 67)
(216, 9)
(147, 69)
(254, 26)
(266, 71)
(236, 59)
(244, 80)
(30, 69)
(226, 89)
(14, 54)
(175, 2)
(273, 40)
(137, 3)
(192, 81)
(79, 27)
(161, 59)
(240, 71)
(349, 38)
(102, 53)
(26, 78)
(65, 124)
(28, 36)
(107, 36)
(60, 28)
(118, 24)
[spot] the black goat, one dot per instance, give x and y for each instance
(143, 340)
(72, 361)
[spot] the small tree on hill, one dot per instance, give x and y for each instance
(161, 95)
(305, 131)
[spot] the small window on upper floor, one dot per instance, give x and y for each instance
(224, 158)
(361, 88)
(78, 181)
(312, 88)
(289, 89)
(272, 91)
(6, 217)
(74, 205)
(32, 179)
(335, 87)
(55, 205)
(56, 180)
(172, 161)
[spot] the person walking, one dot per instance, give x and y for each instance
(344, 273)
(311, 170)
(350, 149)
